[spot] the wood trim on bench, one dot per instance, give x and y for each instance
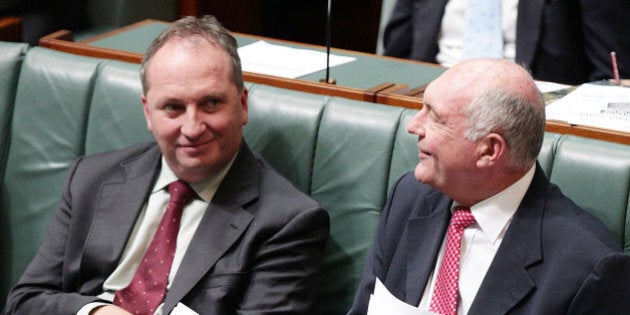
(11, 29)
(386, 93)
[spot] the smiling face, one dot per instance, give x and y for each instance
(193, 108)
(447, 157)
(470, 140)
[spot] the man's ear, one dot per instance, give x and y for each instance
(244, 107)
(145, 110)
(491, 149)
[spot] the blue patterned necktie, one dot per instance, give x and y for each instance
(483, 33)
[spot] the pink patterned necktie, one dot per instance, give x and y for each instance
(148, 286)
(445, 295)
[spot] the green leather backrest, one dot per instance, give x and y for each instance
(116, 119)
(11, 55)
(350, 175)
(283, 128)
(47, 134)
(548, 151)
(596, 175)
(405, 151)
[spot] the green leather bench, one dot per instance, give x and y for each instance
(55, 107)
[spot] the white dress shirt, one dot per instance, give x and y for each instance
(481, 241)
(452, 31)
(147, 223)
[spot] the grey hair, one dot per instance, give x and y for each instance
(207, 27)
(518, 118)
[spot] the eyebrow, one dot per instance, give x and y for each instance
(434, 113)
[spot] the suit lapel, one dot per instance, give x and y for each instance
(117, 208)
(528, 28)
(508, 281)
(425, 239)
(223, 223)
(425, 37)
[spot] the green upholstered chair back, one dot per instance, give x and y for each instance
(11, 55)
(116, 118)
(596, 175)
(283, 127)
(47, 134)
(350, 176)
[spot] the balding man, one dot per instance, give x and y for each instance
(515, 244)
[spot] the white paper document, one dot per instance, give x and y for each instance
(181, 309)
(603, 106)
(282, 61)
(546, 87)
(383, 302)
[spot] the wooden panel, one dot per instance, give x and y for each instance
(243, 16)
(355, 23)
(187, 7)
(10, 29)
(588, 132)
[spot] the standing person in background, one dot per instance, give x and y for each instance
(42, 17)
(560, 41)
(248, 242)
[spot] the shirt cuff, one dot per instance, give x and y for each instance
(85, 310)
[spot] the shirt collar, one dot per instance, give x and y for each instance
(205, 189)
(494, 214)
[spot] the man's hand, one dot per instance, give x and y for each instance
(109, 310)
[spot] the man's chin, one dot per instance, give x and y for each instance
(192, 152)
(191, 165)
(421, 174)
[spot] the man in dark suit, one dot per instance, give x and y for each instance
(529, 249)
(249, 241)
(559, 41)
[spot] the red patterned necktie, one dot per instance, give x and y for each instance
(148, 286)
(444, 300)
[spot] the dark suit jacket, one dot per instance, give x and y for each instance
(257, 249)
(567, 41)
(555, 258)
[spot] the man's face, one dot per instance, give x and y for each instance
(193, 108)
(447, 158)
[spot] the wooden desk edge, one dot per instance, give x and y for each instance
(11, 29)
(122, 29)
(588, 132)
(62, 41)
(59, 41)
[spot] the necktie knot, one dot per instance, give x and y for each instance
(462, 217)
(181, 193)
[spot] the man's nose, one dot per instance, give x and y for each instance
(192, 126)
(416, 126)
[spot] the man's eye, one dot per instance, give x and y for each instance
(211, 104)
(435, 118)
(172, 107)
